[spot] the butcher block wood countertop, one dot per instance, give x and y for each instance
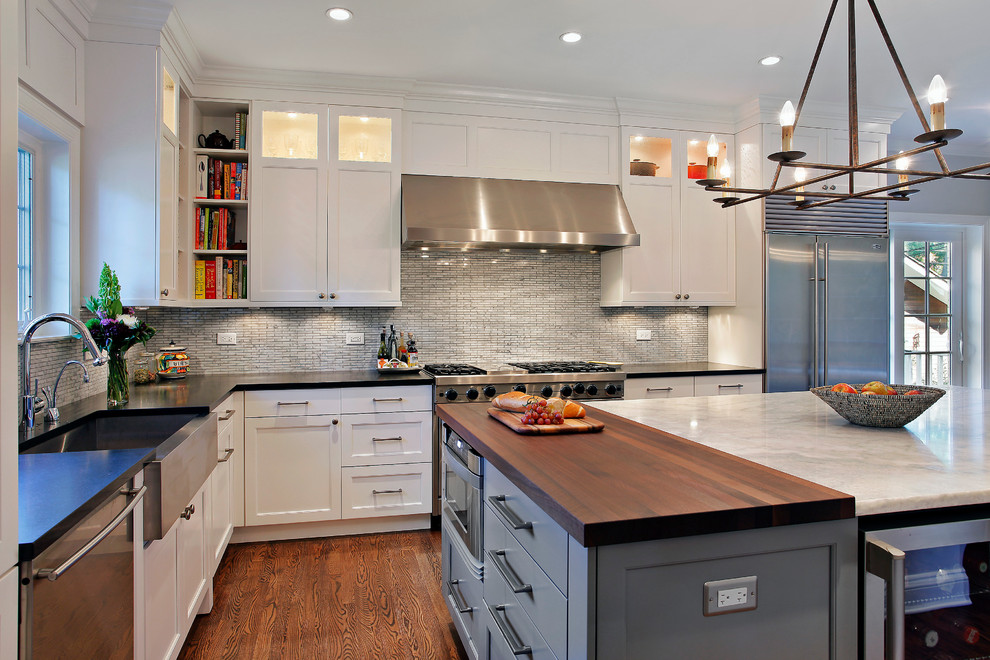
(635, 483)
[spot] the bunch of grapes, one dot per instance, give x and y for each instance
(539, 412)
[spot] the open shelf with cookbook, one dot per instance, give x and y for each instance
(219, 208)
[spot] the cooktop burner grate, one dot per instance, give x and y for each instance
(562, 367)
(453, 370)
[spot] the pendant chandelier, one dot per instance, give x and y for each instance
(934, 136)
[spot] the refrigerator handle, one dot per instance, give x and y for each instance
(814, 317)
(825, 319)
(887, 563)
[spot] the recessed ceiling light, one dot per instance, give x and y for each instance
(570, 37)
(770, 60)
(340, 14)
(364, 119)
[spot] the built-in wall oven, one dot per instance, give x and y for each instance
(926, 592)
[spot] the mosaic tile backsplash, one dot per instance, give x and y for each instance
(480, 307)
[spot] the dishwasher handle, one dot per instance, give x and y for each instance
(54, 573)
(887, 563)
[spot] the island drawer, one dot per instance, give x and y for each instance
(508, 565)
(291, 403)
(386, 438)
(389, 398)
(537, 533)
(666, 387)
(505, 620)
(463, 592)
(722, 385)
(386, 490)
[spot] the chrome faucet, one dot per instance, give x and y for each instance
(52, 392)
(27, 397)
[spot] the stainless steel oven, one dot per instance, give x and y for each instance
(463, 504)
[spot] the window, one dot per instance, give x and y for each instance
(929, 278)
(25, 236)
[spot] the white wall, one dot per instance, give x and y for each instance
(948, 196)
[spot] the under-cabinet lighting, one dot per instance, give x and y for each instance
(364, 119)
(570, 37)
(292, 115)
(638, 138)
(340, 14)
(425, 249)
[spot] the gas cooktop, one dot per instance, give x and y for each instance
(573, 380)
(444, 369)
(563, 367)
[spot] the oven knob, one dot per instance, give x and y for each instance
(546, 391)
(451, 394)
(489, 391)
(472, 394)
(565, 390)
(592, 390)
(519, 388)
(610, 389)
(578, 388)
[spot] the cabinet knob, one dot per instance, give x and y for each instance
(677, 296)
(322, 296)
(335, 422)
(333, 296)
(164, 292)
(686, 296)
(188, 512)
(824, 186)
(832, 187)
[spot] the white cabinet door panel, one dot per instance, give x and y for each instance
(382, 439)
(708, 250)
(191, 558)
(291, 470)
(514, 149)
(292, 403)
(168, 276)
(437, 145)
(727, 385)
(386, 398)
(161, 622)
(368, 237)
(660, 387)
(652, 270)
(8, 614)
(871, 147)
(583, 153)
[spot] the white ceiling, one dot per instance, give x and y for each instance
(667, 50)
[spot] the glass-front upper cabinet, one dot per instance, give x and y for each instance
(651, 156)
(170, 101)
(697, 152)
(364, 138)
(290, 134)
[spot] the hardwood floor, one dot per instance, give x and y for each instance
(375, 596)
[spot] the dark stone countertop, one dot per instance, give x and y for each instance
(57, 491)
(650, 369)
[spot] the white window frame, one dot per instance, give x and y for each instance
(33, 146)
(56, 143)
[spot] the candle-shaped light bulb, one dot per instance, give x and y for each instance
(800, 175)
(787, 117)
(712, 157)
(937, 96)
(725, 173)
(902, 163)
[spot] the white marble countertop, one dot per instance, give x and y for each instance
(941, 459)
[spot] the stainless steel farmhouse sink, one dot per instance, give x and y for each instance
(185, 455)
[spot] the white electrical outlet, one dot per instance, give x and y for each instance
(227, 338)
(732, 595)
(354, 338)
(644, 335)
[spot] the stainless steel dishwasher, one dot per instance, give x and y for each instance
(77, 597)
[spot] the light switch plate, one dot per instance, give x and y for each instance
(644, 335)
(354, 338)
(732, 595)
(227, 338)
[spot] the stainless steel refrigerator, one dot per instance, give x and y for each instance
(827, 310)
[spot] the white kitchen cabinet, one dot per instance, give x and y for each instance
(387, 438)
(386, 490)
(291, 469)
(325, 225)
(461, 145)
(718, 385)
(52, 56)
(825, 146)
(191, 558)
(8, 614)
(221, 510)
(687, 245)
(671, 387)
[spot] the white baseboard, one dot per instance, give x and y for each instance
(309, 530)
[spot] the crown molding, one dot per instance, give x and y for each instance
(642, 113)
(181, 48)
(77, 12)
(818, 114)
(510, 103)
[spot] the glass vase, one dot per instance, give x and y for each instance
(116, 380)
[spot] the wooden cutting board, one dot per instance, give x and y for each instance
(570, 425)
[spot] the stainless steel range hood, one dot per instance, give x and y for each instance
(449, 211)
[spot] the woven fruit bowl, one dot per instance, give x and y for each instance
(879, 410)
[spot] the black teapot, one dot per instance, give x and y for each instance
(216, 140)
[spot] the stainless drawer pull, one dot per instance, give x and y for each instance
(731, 387)
(230, 413)
(509, 575)
(395, 399)
(511, 638)
(398, 439)
(507, 514)
(226, 455)
(458, 597)
(54, 573)
(659, 389)
(292, 403)
(887, 563)
(394, 491)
